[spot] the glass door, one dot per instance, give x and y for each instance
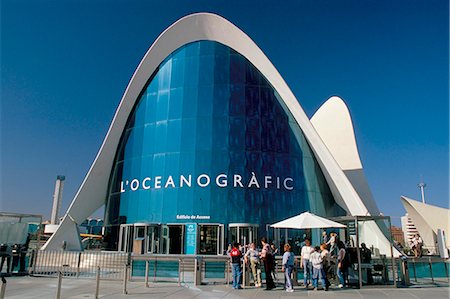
(244, 233)
(176, 237)
(139, 239)
(211, 239)
(126, 237)
(165, 239)
(153, 232)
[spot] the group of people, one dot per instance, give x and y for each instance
(315, 262)
(254, 257)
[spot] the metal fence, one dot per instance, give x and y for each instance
(79, 264)
(196, 269)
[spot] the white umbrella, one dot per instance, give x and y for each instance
(307, 220)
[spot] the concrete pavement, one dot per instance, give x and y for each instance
(40, 287)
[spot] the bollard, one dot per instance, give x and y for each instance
(125, 278)
(97, 286)
(146, 274)
(3, 289)
(58, 288)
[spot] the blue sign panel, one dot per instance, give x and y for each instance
(190, 241)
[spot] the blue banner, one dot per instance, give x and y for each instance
(190, 243)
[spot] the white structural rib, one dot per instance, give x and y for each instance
(202, 26)
(334, 125)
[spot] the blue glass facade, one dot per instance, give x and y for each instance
(209, 138)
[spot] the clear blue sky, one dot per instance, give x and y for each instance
(66, 64)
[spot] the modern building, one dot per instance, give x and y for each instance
(398, 235)
(409, 229)
(428, 221)
(209, 145)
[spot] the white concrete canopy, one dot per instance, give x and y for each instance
(202, 26)
(334, 125)
(428, 219)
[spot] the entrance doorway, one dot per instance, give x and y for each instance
(244, 233)
(210, 239)
(139, 238)
(176, 237)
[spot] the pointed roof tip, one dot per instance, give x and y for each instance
(333, 103)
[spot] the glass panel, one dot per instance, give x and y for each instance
(208, 112)
(209, 239)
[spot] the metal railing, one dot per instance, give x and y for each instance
(423, 270)
(204, 269)
(183, 269)
(79, 264)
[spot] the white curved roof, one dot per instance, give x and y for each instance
(334, 125)
(202, 26)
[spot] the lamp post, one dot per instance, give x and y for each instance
(422, 187)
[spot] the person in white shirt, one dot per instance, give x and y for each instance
(417, 245)
(317, 267)
(305, 262)
(253, 255)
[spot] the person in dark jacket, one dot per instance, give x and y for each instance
(267, 258)
(236, 268)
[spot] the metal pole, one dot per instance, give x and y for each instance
(179, 272)
(414, 270)
(97, 286)
(146, 274)
(58, 288)
(431, 269)
(446, 270)
(3, 289)
(358, 252)
(154, 271)
(125, 278)
(228, 272)
(244, 280)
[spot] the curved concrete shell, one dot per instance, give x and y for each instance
(197, 27)
(334, 125)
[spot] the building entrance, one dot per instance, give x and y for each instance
(176, 237)
(210, 239)
(139, 238)
(244, 233)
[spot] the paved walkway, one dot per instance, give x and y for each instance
(39, 287)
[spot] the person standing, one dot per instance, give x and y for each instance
(288, 267)
(305, 262)
(324, 237)
(317, 267)
(326, 261)
(417, 245)
(343, 264)
(332, 243)
(252, 256)
(236, 268)
(267, 258)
